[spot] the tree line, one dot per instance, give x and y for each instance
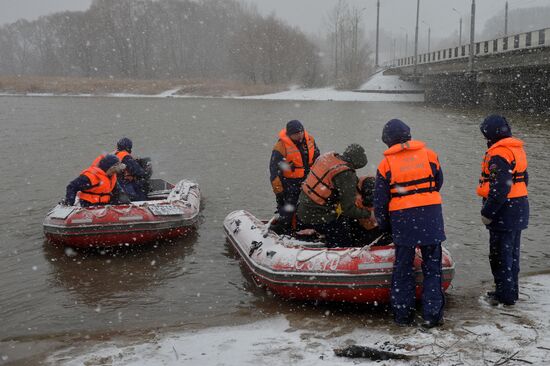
(162, 39)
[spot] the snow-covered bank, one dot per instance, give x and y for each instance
(338, 95)
(323, 94)
(496, 335)
(391, 88)
(379, 81)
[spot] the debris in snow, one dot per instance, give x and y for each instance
(369, 352)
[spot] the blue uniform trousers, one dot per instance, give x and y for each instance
(504, 259)
(286, 211)
(404, 284)
(134, 190)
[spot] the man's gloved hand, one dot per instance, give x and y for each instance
(63, 202)
(280, 198)
(485, 220)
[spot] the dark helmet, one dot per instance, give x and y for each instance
(108, 161)
(355, 155)
(396, 132)
(124, 144)
(293, 127)
(495, 128)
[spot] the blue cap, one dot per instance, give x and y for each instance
(124, 144)
(293, 127)
(396, 132)
(495, 128)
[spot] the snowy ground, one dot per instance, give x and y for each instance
(517, 335)
(390, 86)
(330, 94)
(380, 82)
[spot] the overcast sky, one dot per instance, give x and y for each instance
(310, 14)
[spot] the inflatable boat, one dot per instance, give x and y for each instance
(170, 211)
(304, 270)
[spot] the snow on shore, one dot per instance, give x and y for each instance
(330, 94)
(517, 335)
(390, 87)
(379, 81)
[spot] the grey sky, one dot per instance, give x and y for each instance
(309, 15)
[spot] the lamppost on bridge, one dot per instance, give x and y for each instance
(377, 31)
(429, 35)
(459, 27)
(406, 41)
(506, 19)
(472, 37)
(416, 36)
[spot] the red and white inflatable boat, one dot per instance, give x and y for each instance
(171, 211)
(302, 270)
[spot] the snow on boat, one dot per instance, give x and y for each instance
(300, 270)
(171, 211)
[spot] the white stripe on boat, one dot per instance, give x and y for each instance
(81, 221)
(130, 218)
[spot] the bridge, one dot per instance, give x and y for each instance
(511, 72)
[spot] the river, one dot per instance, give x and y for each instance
(224, 145)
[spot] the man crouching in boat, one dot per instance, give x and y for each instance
(96, 185)
(329, 192)
(133, 178)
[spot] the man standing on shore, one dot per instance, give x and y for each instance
(505, 212)
(407, 203)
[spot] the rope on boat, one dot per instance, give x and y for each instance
(331, 262)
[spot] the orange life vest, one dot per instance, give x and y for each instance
(293, 156)
(510, 149)
(318, 185)
(412, 182)
(368, 223)
(102, 186)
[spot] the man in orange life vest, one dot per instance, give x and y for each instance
(328, 195)
(291, 159)
(133, 177)
(407, 203)
(97, 184)
(505, 212)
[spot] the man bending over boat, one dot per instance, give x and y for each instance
(328, 195)
(96, 185)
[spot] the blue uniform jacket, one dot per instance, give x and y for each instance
(413, 226)
(133, 167)
(507, 213)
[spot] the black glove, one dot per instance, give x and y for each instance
(63, 202)
(280, 198)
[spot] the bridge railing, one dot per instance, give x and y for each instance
(526, 40)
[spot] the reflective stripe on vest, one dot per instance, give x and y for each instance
(294, 157)
(518, 160)
(412, 182)
(318, 185)
(102, 186)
